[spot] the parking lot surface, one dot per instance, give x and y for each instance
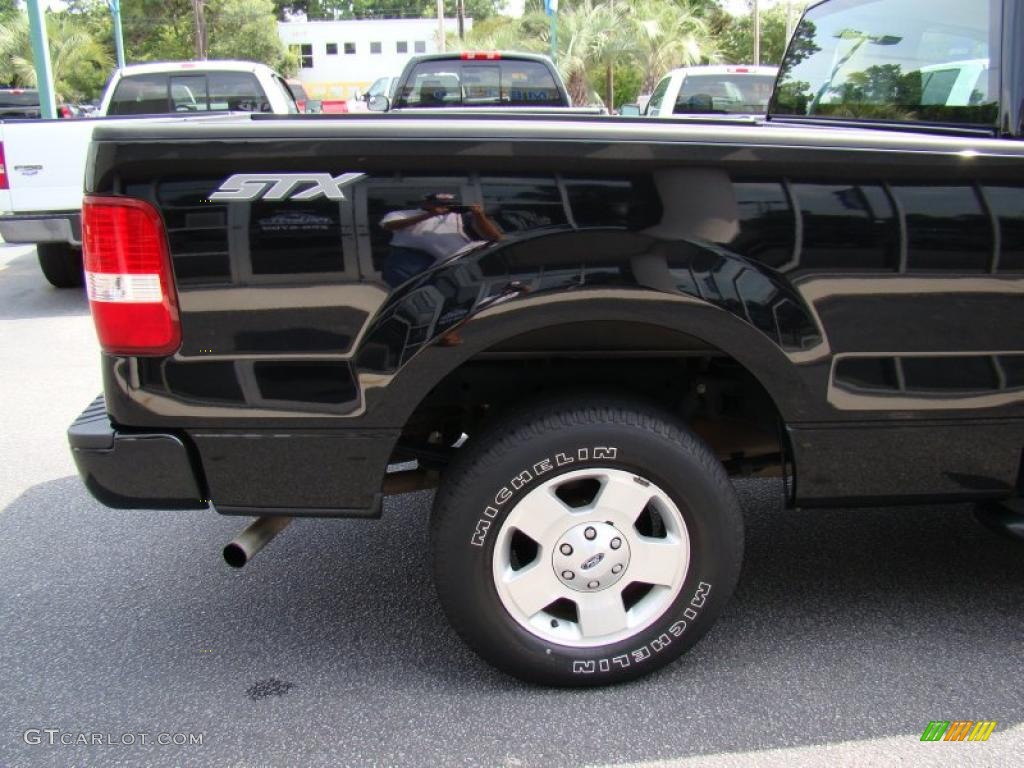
(849, 632)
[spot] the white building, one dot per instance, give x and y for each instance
(338, 58)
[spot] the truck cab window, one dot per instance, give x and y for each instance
(188, 94)
(140, 95)
(237, 92)
(654, 105)
(894, 60)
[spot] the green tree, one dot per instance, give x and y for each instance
(735, 34)
(669, 37)
(80, 64)
(245, 29)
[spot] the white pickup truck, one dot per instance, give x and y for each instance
(42, 162)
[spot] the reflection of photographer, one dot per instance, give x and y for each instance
(440, 227)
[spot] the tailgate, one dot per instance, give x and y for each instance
(45, 163)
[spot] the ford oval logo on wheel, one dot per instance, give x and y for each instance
(590, 562)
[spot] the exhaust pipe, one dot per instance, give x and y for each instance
(254, 538)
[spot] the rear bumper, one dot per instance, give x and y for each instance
(59, 227)
(132, 470)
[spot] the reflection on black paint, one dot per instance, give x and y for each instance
(1007, 205)
(847, 227)
(206, 380)
(767, 225)
(947, 229)
(329, 383)
(275, 229)
(523, 205)
(947, 375)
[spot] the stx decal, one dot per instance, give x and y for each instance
(246, 187)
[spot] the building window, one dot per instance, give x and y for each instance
(350, 48)
(402, 46)
(374, 47)
(420, 46)
(332, 49)
(305, 54)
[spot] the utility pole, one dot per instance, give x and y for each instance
(41, 59)
(199, 15)
(551, 8)
(789, 20)
(440, 26)
(115, 11)
(757, 34)
(460, 11)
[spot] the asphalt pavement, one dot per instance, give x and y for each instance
(849, 632)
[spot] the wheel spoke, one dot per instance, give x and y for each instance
(538, 514)
(622, 499)
(534, 587)
(654, 561)
(601, 613)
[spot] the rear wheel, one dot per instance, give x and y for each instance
(582, 544)
(61, 264)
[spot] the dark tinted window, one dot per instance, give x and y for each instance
(905, 60)
(140, 95)
(471, 83)
(730, 93)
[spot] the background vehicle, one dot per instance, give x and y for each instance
(302, 101)
(382, 86)
(579, 328)
(41, 192)
(19, 103)
(713, 90)
(495, 79)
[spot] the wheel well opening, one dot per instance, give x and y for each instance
(714, 394)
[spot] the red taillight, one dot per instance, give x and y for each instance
(3, 169)
(128, 277)
(739, 70)
(480, 56)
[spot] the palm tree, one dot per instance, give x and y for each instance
(77, 60)
(669, 36)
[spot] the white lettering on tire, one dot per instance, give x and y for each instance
(527, 476)
(658, 644)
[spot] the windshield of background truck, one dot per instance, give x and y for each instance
(899, 60)
(730, 93)
(480, 83)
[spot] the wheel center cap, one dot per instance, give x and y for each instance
(590, 557)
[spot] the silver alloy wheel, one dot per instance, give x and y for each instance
(572, 566)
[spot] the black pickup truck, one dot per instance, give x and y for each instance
(579, 329)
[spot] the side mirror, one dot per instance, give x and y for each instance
(630, 110)
(379, 103)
